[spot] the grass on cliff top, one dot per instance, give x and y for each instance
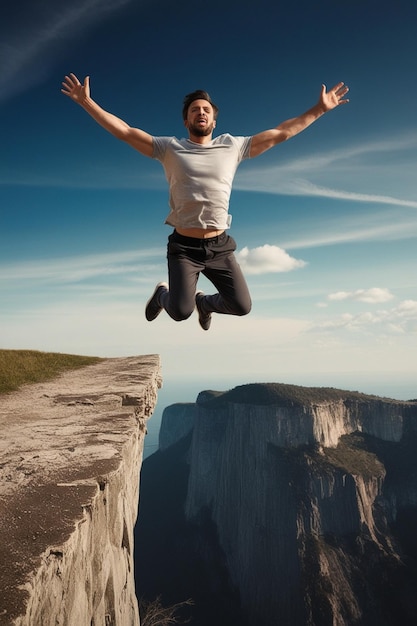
(285, 395)
(22, 367)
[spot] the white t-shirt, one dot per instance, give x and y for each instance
(200, 178)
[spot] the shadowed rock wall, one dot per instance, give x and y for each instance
(70, 459)
(313, 494)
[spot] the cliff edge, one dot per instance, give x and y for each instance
(70, 459)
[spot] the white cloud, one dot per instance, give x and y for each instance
(398, 320)
(268, 349)
(407, 310)
(108, 320)
(267, 259)
(375, 295)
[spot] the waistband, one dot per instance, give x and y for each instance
(196, 241)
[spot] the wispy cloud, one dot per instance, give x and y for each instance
(306, 188)
(346, 228)
(266, 259)
(375, 295)
(401, 319)
(81, 268)
(30, 46)
(300, 176)
(348, 155)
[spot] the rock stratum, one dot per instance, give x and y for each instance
(293, 506)
(70, 459)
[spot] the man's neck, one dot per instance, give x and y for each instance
(200, 140)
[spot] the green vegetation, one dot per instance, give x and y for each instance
(353, 456)
(22, 367)
(280, 394)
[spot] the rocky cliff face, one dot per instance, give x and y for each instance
(71, 453)
(177, 422)
(313, 495)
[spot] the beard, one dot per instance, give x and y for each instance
(200, 131)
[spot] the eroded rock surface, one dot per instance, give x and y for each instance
(306, 488)
(70, 458)
(293, 506)
(177, 422)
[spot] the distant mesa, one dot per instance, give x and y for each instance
(283, 505)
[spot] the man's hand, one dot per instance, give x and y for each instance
(80, 93)
(328, 100)
(75, 90)
(331, 99)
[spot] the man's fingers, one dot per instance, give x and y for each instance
(74, 79)
(337, 87)
(340, 89)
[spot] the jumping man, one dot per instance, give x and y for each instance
(200, 172)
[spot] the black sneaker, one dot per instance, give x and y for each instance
(203, 318)
(153, 307)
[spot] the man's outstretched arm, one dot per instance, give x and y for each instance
(80, 93)
(269, 138)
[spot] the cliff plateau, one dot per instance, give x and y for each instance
(70, 458)
(302, 501)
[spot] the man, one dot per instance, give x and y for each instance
(200, 172)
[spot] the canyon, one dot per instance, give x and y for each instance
(265, 504)
(301, 501)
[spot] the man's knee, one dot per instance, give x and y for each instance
(180, 313)
(242, 308)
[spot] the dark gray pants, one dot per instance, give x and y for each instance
(214, 258)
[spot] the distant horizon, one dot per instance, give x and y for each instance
(370, 383)
(175, 391)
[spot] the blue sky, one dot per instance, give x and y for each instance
(326, 224)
